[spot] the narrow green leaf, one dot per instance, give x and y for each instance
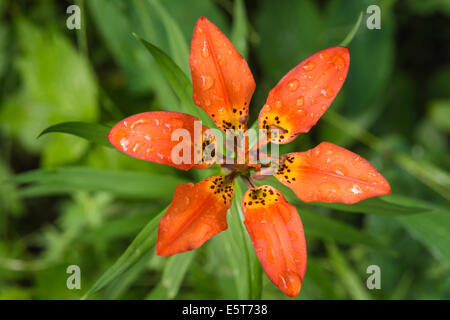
(431, 175)
(323, 227)
(173, 275)
(386, 205)
(143, 242)
(432, 230)
(136, 185)
(353, 284)
(178, 80)
(239, 29)
(177, 42)
(352, 32)
(244, 263)
(121, 283)
(93, 132)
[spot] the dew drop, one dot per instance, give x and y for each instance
(340, 170)
(324, 56)
(175, 123)
(302, 112)
(309, 66)
(207, 82)
(136, 123)
(328, 188)
(277, 104)
(221, 60)
(293, 85)
(339, 63)
(124, 143)
(205, 50)
(356, 189)
(300, 101)
(327, 93)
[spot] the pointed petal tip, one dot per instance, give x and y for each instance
(290, 283)
(222, 81)
(277, 235)
(329, 173)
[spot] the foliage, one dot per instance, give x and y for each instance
(67, 198)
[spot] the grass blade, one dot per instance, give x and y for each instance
(244, 263)
(239, 29)
(178, 81)
(143, 242)
(128, 184)
(173, 275)
(323, 227)
(177, 42)
(352, 32)
(92, 132)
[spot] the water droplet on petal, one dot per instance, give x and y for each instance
(300, 101)
(339, 63)
(207, 82)
(136, 123)
(175, 123)
(324, 56)
(328, 189)
(205, 50)
(356, 189)
(302, 112)
(293, 85)
(309, 66)
(124, 143)
(221, 60)
(327, 93)
(277, 104)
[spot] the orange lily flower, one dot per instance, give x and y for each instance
(223, 86)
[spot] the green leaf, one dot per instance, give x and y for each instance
(115, 22)
(128, 184)
(96, 133)
(386, 205)
(440, 113)
(432, 230)
(178, 80)
(238, 247)
(239, 29)
(143, 242)
(177, 42)
(172, 277)
(323, 227)
(431, 175)
(349, 277)
(57, 84)
(352, 32)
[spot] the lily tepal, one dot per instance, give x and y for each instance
(223, 86)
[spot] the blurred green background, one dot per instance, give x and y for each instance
(66, 201)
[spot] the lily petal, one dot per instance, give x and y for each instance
(222, 81)
(277, 235)
(302, 96)
(197, 213)
(329, 173)
(148, 136)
